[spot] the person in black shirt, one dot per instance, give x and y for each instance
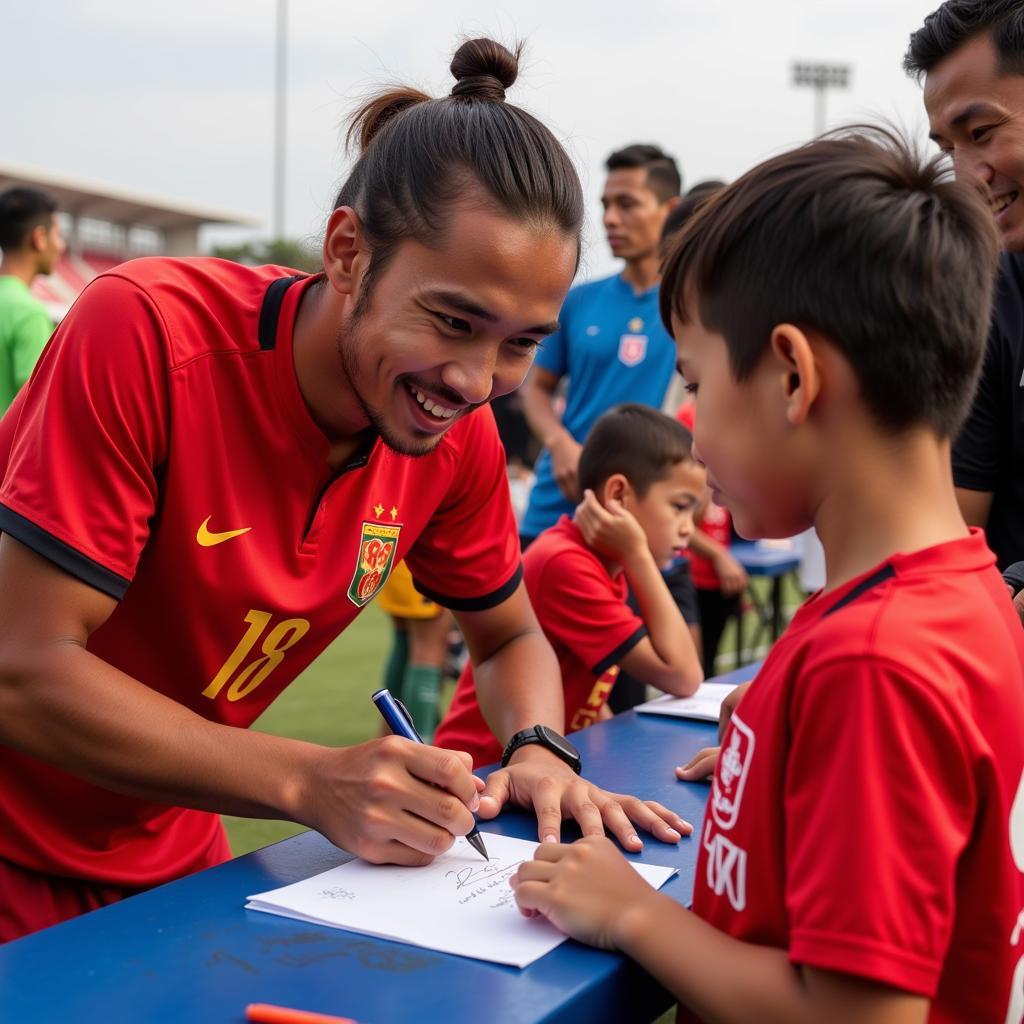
(970, 56)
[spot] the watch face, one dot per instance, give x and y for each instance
(552, 738)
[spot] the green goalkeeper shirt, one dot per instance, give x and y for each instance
(25, 327)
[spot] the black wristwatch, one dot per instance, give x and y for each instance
(556, 743)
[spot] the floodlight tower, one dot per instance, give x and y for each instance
(821, 78)
(280, 121)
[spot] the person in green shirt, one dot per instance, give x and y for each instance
(32, 243)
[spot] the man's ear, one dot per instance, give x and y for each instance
(615, 487)
(799, 372)
(346, 254)
(37, 238)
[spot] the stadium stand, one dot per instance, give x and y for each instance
(105, 225)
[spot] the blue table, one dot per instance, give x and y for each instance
(188, 951)
(774, 563)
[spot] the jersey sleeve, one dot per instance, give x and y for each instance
(577, 605)
(28, 339)
(468, 558)
(79, 484)
(980, 449)
(879, 805)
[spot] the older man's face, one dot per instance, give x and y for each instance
(976, 115)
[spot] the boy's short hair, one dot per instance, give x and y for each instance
(663, 177)
(688, 206)
(855, 236)
(637, 441)
(22, 209)
(952, 24)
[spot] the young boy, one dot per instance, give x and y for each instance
(861, 855)
(640, 484)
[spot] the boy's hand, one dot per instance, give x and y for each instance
(729, 705)
(537, 780)
(700, 766)
(730, 573)
(612, 531)
(582, 889)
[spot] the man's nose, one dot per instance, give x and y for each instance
(472, 375)
(970, 167)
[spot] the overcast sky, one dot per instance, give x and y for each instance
(176, 99)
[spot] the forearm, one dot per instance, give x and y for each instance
(520, 685)
(68, 707)
(706, 546)
(720, 978)
(539, 410)
(679, 670)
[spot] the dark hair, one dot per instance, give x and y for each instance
(637, 441)
(22, 210)
(853, 235)
(419, 155)
(951, 25)
(663, 177)
(688, 206)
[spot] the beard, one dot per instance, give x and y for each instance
(349, 340)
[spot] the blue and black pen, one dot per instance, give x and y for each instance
(400, 722)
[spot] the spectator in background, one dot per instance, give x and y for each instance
(611, 344)
(32, 243)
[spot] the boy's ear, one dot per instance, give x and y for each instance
(800, 374)
(615, 487)
(37, 238)
(346, 254)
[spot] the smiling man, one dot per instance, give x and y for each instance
(970, 56)
(215, 469)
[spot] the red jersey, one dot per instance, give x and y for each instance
(867, 814)
(584, 615)
(715, 521)
(163, 453)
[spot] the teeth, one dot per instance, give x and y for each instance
(434, 408)
(1004, 202)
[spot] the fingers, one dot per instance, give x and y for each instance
(451, 770)
(547, 804)
(700, 766)
(495, 794)
(655, 818)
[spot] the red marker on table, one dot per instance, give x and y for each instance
(264, 1013)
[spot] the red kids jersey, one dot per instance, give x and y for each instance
(584, 615)
(163, 453)
(867, 814)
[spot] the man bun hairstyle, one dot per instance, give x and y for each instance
(22, 210)
(418, 156)
(637, 441)
(950, 26)
(663, 177)
(857, 237)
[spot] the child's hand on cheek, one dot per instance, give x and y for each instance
(583, 889)
(612, 530)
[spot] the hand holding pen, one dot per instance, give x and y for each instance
(400, 723)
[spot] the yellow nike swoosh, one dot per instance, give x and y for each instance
(208, 539)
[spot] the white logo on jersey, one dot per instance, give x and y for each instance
(727, 868)
(593, 331)
(731, 776)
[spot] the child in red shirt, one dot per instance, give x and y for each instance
(861, 855)
(640, 484)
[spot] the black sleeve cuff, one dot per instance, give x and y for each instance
(971, 480)
(62, 555)
(620, 652)
(475, 604)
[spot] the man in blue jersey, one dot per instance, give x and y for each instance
(612, 346)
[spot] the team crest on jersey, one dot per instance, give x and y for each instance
(632, 349)
(373, 566)
(731, 776)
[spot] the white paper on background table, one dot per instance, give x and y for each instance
(459, 904)
(705, 704)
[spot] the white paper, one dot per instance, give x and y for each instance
(459, 904)
(705, 704)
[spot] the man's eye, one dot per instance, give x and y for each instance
(979, 133)
(690, 388)
(453, 322)
(526, 344)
